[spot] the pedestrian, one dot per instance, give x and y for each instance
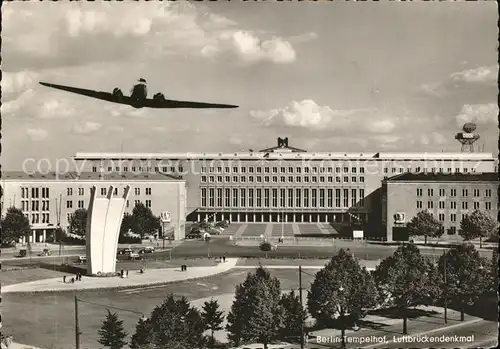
(72, 280)
(64, 278)
(127, 273)
(224, 259)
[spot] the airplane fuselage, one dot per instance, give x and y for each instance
(139, 95)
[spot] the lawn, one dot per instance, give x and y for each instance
(17, 276)
(50, 323)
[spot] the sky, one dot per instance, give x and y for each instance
(342, 76)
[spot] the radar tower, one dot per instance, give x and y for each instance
(467, 137)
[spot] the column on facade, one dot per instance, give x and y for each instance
(33, 236)
(44, 235)
(199, 218)
(246, 217)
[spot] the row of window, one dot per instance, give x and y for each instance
(37, 218)
(453, 192)
(282, 179)
(35, 205)
(290, 169)
(453, 217)
(453, 205)
(81, 191)
(273, 197)
(35, 193)
(164, 169)
(81, 203)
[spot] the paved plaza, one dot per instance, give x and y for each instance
(135, 278)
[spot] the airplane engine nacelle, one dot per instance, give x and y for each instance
(117, 93)
(159, 97)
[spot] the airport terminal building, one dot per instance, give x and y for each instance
(48, 199)
(447, 196)
(287, 184)
(277, 184)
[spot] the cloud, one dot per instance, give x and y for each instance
(250, 48)
(309, 115)
(478, 113)
(18, 82)
(86, 127)
(50, 36)
(480, 74)
(36, 134)
(464, 84)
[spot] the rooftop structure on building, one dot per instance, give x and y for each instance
(445, 177)
(283, 151)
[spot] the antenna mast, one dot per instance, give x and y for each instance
(467, 137)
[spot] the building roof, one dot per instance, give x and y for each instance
(281, 155)
(445, 177)
(87, 176)
(283, 151)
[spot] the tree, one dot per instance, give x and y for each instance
(212, 317)
(407, 279)
(78, 222)
(125, 226)
(425, 224)
(256, 313)
(143, 220)
(493, 272)
(342, 283)
(112, 334)
(478, 224)
(173, 324)
(294, 316)
(141, 338)
(466, 277)
(14, 226)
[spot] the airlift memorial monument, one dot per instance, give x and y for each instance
(105, 215)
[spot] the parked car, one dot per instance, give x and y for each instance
(148, 249)
(196, 230)
(45, 252)
(134, 255)
(223, 224)
(194, 235)
(217, 230)
(23, 253)
(82, 260)
(124, 250)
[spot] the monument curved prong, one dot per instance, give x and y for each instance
(103, 229)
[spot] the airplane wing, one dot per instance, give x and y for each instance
(169, 103)
(105, 96)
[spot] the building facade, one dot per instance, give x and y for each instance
(447, 196)
(284, 183)
(49, 200)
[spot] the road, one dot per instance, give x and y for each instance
(220, 247)
(484, 334)
(51, 320)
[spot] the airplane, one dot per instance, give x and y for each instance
(138, 97)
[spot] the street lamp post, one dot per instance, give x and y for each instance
(301, 307)
(445, 290)
(77, 326)
(77, 323)
(342, 327)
